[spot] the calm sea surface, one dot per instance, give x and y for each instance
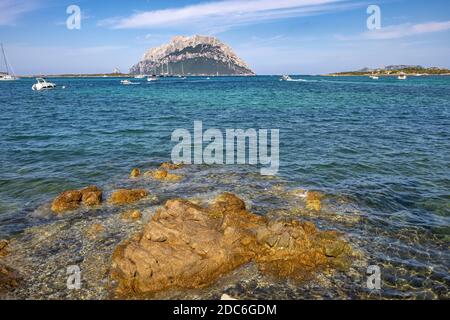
(379, 148)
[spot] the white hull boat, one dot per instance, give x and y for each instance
(7, 77)
(128, 82)
(288, 78)
(43, 84)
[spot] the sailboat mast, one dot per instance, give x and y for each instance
(4, 57)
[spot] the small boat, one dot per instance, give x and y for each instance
(285, 77)
(374, 77)
(6, 76)
(128, 82)
(288, 78)
(43, 84)
(402, 76)
(152, 78)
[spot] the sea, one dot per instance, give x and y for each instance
(379, 150)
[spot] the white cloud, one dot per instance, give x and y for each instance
(399, 31)
(221, 15)
(11, 10)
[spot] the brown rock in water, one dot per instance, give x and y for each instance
(72, 199)
(135, 173)
(67, 201)
(91, 196)
(313, 200)
(162, 175)
(3, 247)
(95, 230)
(189, 246)
(9, 278)
(171, 166)
(131, 215)
(126, 196)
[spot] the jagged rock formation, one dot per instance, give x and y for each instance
(189, 246)
(196, 55)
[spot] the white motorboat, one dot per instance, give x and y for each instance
(152, 78)
(285, 77)
(288, 78)
(6, 76)
(402, 76)
(43, 84)
(374, 77)
(128, 82)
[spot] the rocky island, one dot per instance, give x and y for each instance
(196, 55)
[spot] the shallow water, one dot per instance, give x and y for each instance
(380, 150)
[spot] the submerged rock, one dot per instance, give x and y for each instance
(313, 200)
(73, 199)
(135, 173)
(171, 166)
(127, 196)
(9, 278)
(3, 247)
(162, 175)
(189, 246)
(131, 215)
(95, 230)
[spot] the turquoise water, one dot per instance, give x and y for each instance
(381, 146)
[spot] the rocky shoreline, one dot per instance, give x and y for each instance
(179, 245)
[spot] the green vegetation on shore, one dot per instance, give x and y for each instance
(412, 70)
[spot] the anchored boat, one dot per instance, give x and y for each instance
(43, 84)
(6, 76)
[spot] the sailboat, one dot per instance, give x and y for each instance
(6, 76)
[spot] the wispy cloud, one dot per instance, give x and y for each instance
(221, 15)
(12, 10)
(399, 31)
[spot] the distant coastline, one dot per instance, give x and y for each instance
(395, 70)
(119, 75)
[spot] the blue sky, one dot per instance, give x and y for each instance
(273, 37)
